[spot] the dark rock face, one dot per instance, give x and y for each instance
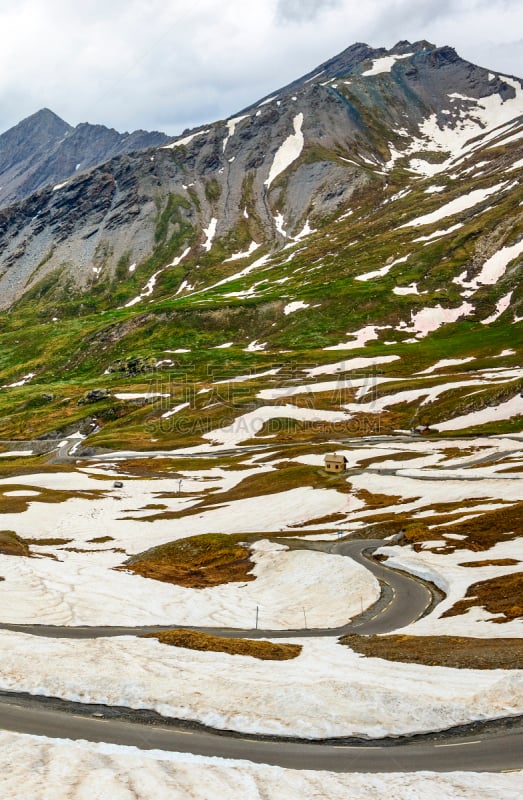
(94, 396)
(43, 149)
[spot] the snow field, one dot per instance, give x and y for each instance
(328, 690)
(29, 765)
(292, 589)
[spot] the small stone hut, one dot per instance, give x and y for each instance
(335, 463)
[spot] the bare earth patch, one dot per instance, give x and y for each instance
(459, 652)
(193, 640)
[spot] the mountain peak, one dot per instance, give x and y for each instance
(45, 122)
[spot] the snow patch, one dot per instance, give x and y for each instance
(501, 306)
(296, 305)
(288, 152)
(384, 64)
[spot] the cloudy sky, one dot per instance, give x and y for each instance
(173, 64)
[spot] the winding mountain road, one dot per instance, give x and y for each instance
(403, 600)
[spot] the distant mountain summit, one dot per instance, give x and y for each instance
(360, 130)
(43, 149)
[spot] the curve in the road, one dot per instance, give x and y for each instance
(406, 599)
(409, 599)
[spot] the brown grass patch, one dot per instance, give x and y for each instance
(372, 500)
(404, 456)
(287, 475)
(491, 562)
(10, 504)
(195, 562)
(12, 545)
(459, 652)
(47, 542)
(94, 550)
(336, 516)
(193, 640)
(101, 539)
(479, 534)
(502, 595)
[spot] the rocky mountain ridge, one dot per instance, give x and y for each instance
(44, 150)
(363, 121)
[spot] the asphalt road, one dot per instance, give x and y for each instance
(477, 752)
(403, 600)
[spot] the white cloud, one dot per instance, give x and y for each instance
(300, 10)
(168, 66)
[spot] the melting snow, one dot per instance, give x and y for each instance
(305, 231)
(20, 382)
(438, 234)
(501, 306)
(516, 165)
(140, 395)
(494, 268)
(430, 319)
(384, 64)
(349, 364)
(461, 203)
(507, 410)
(445, 362)
(175, 410)
(379, 273)
(280, 222)
(210, 233)
(147, 290)
(361, 337)
(296, 305)
(185, 140)
(328, 690)
(236, 256)
(255, 347)
(403, 290)
(231, 127)
(94, 769)
(288, 151)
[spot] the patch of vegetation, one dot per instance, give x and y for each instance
(48, 541)
(101, 539)
(458, 652)
(196, 562)
(256, 648)
(212, 190)
(13, 545)
(491, 562)
(479, 533)
(10, 504)
(287, 476)
(502, 595)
